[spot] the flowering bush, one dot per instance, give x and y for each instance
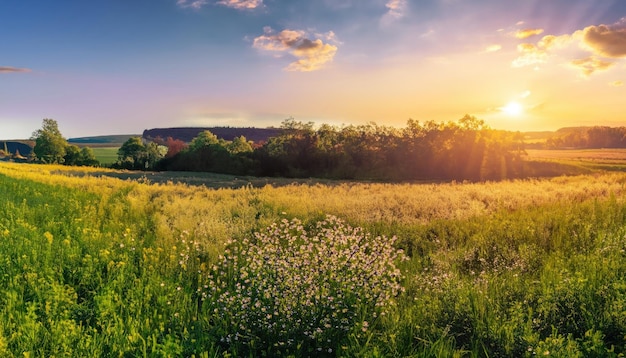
(287, 290)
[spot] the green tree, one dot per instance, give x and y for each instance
(50, 146)
(72, 155)
(133, 154)
(204, 139)
(88, 158)
(239, 145)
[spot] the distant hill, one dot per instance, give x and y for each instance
(567, 130)
(24, 147)
(104, 139)
(257, 135)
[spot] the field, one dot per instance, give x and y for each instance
(97, 262)
(601, 155)
(106, 155)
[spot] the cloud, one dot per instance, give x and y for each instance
(607, 40)
(194, 4)
(550, 42)
(617, 83)
(242, 4)
(235, 4)
(603, 45)
(311, 54)
(526, 33)
(493, 48)
(591, 64)
(531, 55)
(8, 69)
(396, 10)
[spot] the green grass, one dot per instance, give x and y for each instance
(105, 155)
(92, 275)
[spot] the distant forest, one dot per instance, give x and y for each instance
(463, 150)
(588, 137)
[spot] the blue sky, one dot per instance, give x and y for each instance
(122, 66)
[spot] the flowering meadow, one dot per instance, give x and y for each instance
(95, 266)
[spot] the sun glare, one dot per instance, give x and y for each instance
(513, 109)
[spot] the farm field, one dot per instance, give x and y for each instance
(106, 155)
(95, 263)
(610, 154)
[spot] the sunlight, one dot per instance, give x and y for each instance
(513, 109)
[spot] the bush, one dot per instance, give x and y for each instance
(289, 291)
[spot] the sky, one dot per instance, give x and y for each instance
(121, 66)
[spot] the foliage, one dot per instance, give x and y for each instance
(50, 146)
(463, 150)
(289, 290)
(588, 137)
(134, 154)
(174, 146)
(208, 153)
(80, 156)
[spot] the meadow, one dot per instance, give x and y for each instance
(106, 155)
(97, 266)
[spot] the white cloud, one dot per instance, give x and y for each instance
(396, 10)
(194, 4)
(235, 4)
(242, 4)
(311, 54)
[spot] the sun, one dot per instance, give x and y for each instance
(513, 109)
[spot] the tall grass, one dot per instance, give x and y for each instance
(96, 266)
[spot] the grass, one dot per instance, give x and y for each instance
(93, 265)
(105, 155)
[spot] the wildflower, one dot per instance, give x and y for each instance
(305, 284)
(49, 237)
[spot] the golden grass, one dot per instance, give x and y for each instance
(354, 201)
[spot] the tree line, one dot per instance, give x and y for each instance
(463, 150)
(466, 149)
(589, 138)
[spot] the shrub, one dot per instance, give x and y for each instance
(289, 291)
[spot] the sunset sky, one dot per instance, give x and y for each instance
(122, 66)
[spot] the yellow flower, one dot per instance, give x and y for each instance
(48, 237)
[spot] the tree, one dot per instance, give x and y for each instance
(204, 139)
(174, 146)
(50, 146)
(87, 157)
(133, 154)
(239, 145)
(72, 155)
